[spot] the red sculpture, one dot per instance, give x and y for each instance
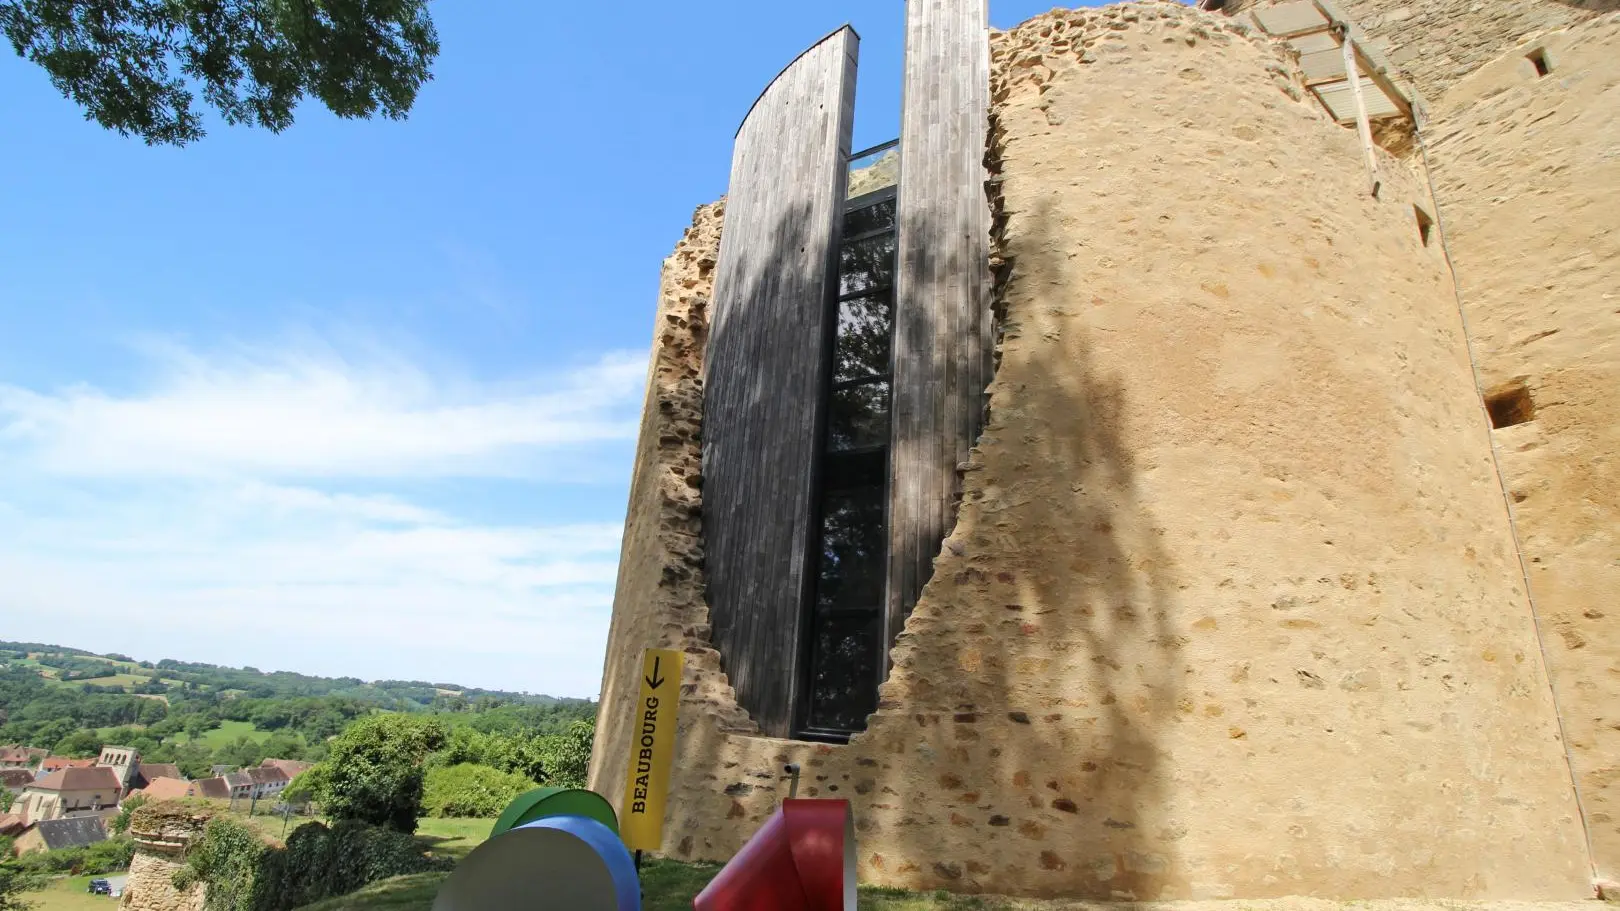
(802, 859)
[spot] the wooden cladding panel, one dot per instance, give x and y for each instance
(943, 330)
(766, 370)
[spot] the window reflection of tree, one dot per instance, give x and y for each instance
(864, 327)
(852, 550)
(867, 264)
(844, 681)
(853, 555)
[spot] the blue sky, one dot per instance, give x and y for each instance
(360, 398)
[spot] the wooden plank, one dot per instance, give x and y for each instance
(1342, 106)
(1291, 18)
(943, 331)
(1323, 66)
(766, 370)
(1313, 42)
(1364, 127)
(1373, 63)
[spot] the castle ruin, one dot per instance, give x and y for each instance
(1184, 467)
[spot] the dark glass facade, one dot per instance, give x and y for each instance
(844, 618)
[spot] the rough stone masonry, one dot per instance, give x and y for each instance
(1234, 606)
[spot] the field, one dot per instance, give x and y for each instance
(226, 733)
(68, 894)
(128, 675)
(453, 837)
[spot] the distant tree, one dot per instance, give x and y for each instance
(374, 770)
(80, 744)
(197, 726)
(471, 791)
(241, 752)
(47, 735)
(152, 711)
(194, 760)
(282, 746)
(133, 64)
(567, 756)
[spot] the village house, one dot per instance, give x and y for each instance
(293, 767)
(19, 757)
(58, 763)
(240, 785)
(268, 781)
(212, 788)
(14, 780)
(11, 824)
(56, 834)
(171, 788)
(69, 792)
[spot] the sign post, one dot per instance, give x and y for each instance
(652, 751)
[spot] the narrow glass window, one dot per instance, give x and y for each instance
(844, 627)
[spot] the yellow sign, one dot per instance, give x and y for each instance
(652, 750)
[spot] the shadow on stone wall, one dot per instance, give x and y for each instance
(1043, 657)
(1016, 748)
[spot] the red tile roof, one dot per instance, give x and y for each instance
(152, 771)
(11, 823)
(15, 778)
(167, 789)
(267, 775)
(56, 763)
(99, 778)
(292, 767)
(212, 787)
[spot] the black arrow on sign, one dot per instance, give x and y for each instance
(656, 680)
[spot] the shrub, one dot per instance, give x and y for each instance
(126, 810)
(471, 790)
(108, 856)
(319, 862)
(374, 771)
(227, 858)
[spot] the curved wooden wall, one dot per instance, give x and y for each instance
(767, 358)
(943, 340)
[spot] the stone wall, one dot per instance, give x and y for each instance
(163, 831)
(151, 886)
(1437, 42)
(1527, 171)
(1232, 607)
(658, 601)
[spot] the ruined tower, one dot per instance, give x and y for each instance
(1131, 494)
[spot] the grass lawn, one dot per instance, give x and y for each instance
(453, 837)
(227, 732)
(69, 894)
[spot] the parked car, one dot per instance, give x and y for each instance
(100, 887)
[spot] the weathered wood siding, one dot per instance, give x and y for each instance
(767, 361)
(942, 337)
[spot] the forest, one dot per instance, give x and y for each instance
(197, 715)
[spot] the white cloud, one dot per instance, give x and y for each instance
(268, 509)
(319, 413)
